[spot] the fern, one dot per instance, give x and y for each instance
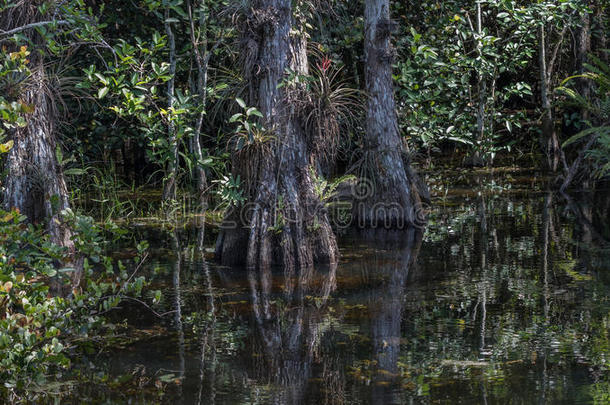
(597, 105)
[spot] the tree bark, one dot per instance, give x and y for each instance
(478, 159)
(283, 220)
(549, 136)
(169, 187)
(390, 197)
(583, 48)
(35, 184)
(202, 57)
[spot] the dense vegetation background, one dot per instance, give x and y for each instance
(114, 111)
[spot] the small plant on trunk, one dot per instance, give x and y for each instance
(251, 143)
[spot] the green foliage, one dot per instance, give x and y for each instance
(37, 31)
(441, 62)
(131, 86)
(120, 56)
(40, 327)
(13, 71)
(597, 108)
(252, 144)
(134, 84)
(230, 191)
(248, 133)
(325, 190)
(443, 57)
(58, 25)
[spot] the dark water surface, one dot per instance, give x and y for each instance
(503, 300)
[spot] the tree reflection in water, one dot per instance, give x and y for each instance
(289, 326)
(393, 263)
(504, 301)
(178, 324)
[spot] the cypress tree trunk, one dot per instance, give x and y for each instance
(35, 184)
(282, 221)
(392, 197)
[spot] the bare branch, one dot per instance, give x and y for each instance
(32, 25)
(551, 65)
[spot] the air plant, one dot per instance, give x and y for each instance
(332, 108)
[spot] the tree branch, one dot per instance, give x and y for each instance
(576, 165)
(32, 25)
(551, 65)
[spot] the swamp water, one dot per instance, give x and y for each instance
(503, 300)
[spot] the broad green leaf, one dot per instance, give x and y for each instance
(585, 133)
(102, 92)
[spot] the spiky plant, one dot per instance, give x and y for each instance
(231, 85)
(597, 134)
(331, 109)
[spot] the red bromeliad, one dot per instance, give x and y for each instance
(326, 62)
